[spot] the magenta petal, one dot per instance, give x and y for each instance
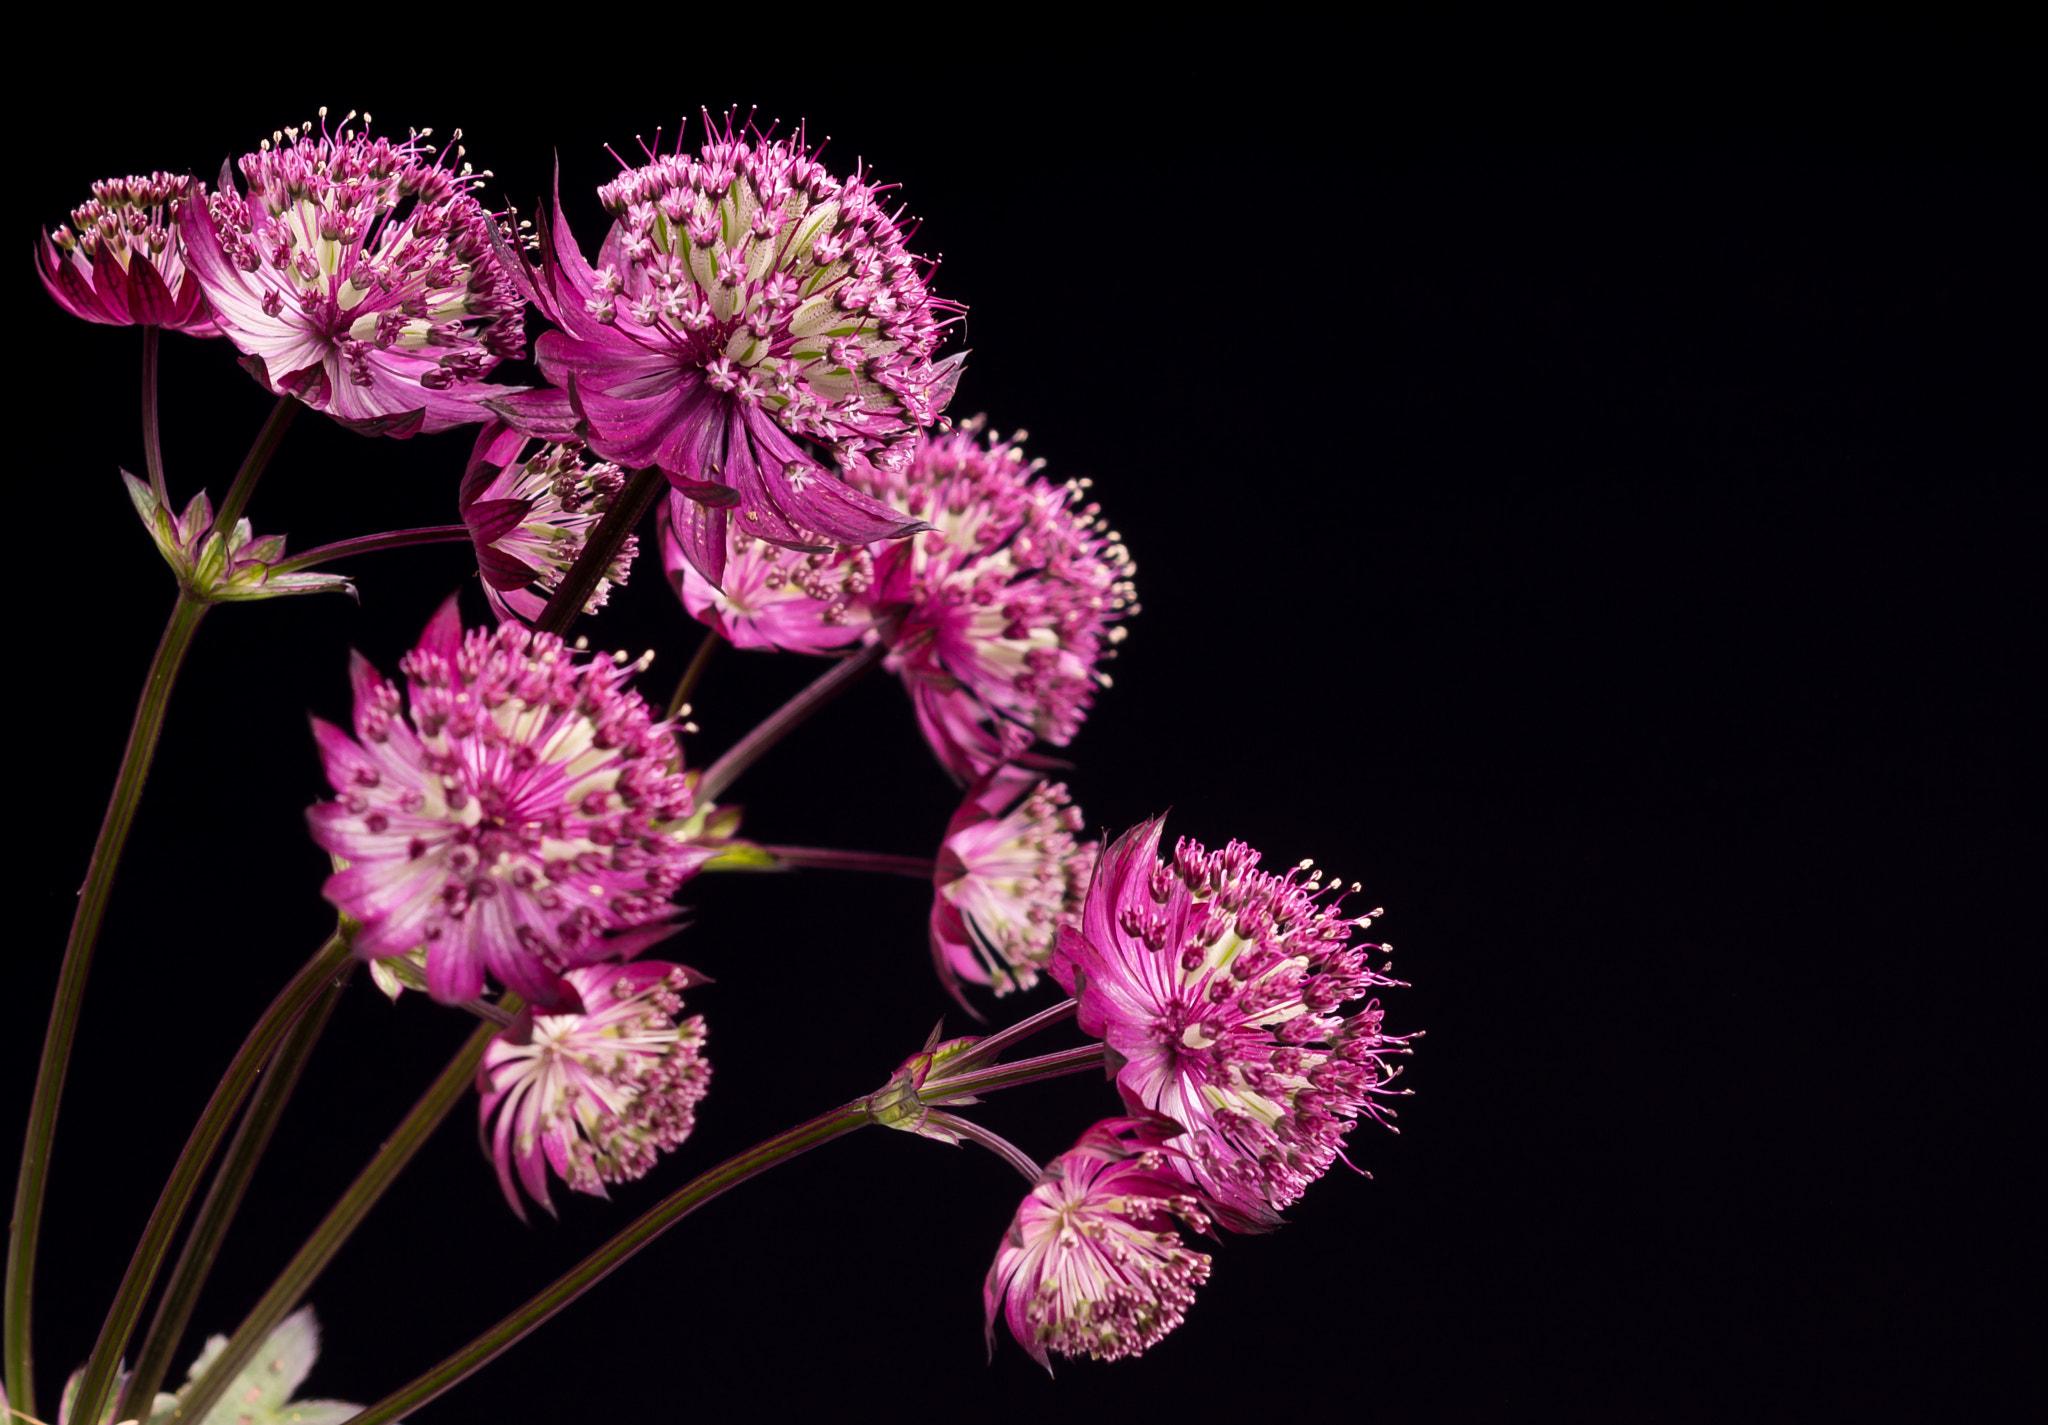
(443, 633)
(148, 299)
(399, 425)
(701, 535)
(544, 413)
(492, 520)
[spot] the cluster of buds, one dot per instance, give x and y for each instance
(221, 566)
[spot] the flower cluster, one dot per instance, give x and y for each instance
(744, 299)
(529, 515)
(120, 261)
(360, 276)
(1010, 873)
(803, 600)
(599, 1095)
(1092, 1264)
(1218, 985)
(510, 822)
(1004, 605)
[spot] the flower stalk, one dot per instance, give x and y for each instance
(152, 439)
(224, 1198)
(370, 544)
(824, 859)
(694, 674)
(785, 720)
(256, 462)
(346, 1215)
(590, 566)
(71, 979)
(291, 1003)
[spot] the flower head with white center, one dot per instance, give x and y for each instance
(529, 512)
(510, 823)
(745, 300)
(1218, 984)
(120, 261)
(801, 600)
(1092, 1264)
(1010, 873)
(597, 1096)
(360, 276)
(1005, 604)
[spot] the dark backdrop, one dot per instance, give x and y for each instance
(1604, 522)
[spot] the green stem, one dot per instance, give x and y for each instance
(152, 440)
(785, 720)
(230, 1183)
(343, 1219)
(823, 859)
(601, 1263)
(291, 1002)
(254, 463)
(694, 674)
(701, 1189)
(370, 544)
(603, 546)
(71, 978)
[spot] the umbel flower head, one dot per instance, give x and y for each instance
(1092, 1264)
(1010, 873)
(1218, 985)
(744, 300)
(529, 512)
(359, 275)
(597, 1096)
(120, 261)
(802, 600)
(509, 821)
(1000, 611)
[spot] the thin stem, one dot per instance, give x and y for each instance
(601, 1263)
(253, 463)
(71, 978)
(599, 551)
(370, 544)
(995, 1142)
(343, 1219)
(785, 720)
(954, 1088)
(230, 1183)
(823, 859)
(694, 674)
(291, 1002)
(985, 1051)
(152, 441)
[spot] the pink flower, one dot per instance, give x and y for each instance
(803, 600)
(597, 1096)
(511, 825)
(1218, 986)
(1010, 874)
(124, 264)
(744, 300)
(359, 275)
(1005, 603)
(1092, 1264)
(529, 517)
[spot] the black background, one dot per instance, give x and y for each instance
(1597, 510)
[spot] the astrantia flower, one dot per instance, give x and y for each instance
(510, 825)
(806, 601)
(1010, 874)
(120, 261)
(597, 1096)
(529, 512)
(1092, 1264)
(1218, 984)
(1005, 603)
(744, 299)
(359, 275)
